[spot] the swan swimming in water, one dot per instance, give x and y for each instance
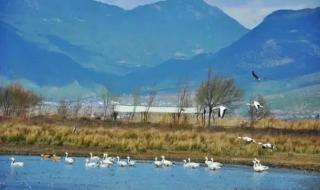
(207, 161)
(165, 162)
(68, 160)
(105, 156)
(258, 167)
(216, 163)
(157, 163)
(106, 160)
(94, 158)
(186, 164)
(130, 162)
(14, 163)
(213, 166)
(193, 164)
(104, 164)
(121, 163)
(190, 164)
(91, 164)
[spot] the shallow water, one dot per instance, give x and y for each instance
(45, 174)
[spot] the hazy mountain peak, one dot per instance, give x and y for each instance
(293, 15)
(109, 39)
(185, 4)
(285, 45)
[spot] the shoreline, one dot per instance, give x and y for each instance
(312, 165)
(296, 147)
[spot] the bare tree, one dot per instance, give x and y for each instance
(106, 99)
(17, 101)
(87, 110)
(40, 106)
(75, 107)
(183, 99)
(217, 91)
(63, 108)
(258, 114)
(136, 101)
(6, 102)
(2, 96)
(151, 97)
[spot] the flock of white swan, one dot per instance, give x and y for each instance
(106, 162)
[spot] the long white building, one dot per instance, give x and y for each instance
(154, 109)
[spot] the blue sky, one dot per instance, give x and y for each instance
(248, 12)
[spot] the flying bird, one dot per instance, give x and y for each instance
(255, 76)
(255, 104)
(222, 111)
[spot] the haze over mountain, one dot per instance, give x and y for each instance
(112, 40)
(44, 67)
(284, 50)
(285, 45)
(76, 50)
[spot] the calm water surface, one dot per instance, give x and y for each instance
(44, 174)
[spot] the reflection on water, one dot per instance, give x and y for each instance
(44, 174)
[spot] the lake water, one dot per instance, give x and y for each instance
(45, 174)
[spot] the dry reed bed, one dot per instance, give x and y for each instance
(148, 139)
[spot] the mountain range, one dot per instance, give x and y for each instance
(87, 45)
(109, 39)
(285, 45)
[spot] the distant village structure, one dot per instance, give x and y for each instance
(96, 109)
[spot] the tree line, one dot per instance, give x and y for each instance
(16, 101)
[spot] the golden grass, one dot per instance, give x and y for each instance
(269, 123)
(293, 140)
(234, 121)
(143, 139)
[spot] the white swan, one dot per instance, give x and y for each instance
(216, 163)
(104, 164)
(190, 164)
(121, 163)
(14, 163)
(106, 160)
(247, 139)
(255, 104)
(68, 160)
(258, 167)
(213, 166)
(157, 163)
(222, 111)
(91, 164)
(94, 158)
(105, 155)
(193, 164)
(267, 145)
(166, 162)
(186, 164)
(130, 162)
(207, 161)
